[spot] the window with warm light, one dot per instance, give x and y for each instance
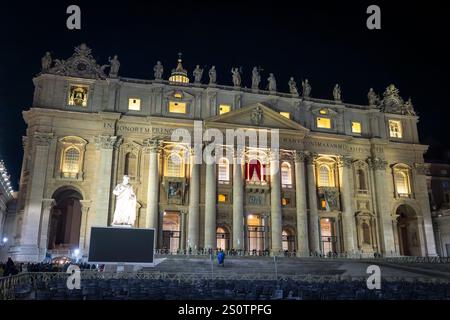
(71, 162)
(174, 166)
(324, 123)
(395, 129)
(177, 107)
(402, 183)
(134, 104)
(178, 95)
(224, 108)
(323, 111)
(326, 178)
(285, 201)
(286, 114)
(222, 197)
(356, 127)
(286, 176)
(223, 171)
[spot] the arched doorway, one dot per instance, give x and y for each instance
(223, 238)
(65, 220)
(408, 231)
(171, 231)
(288, 240)
(255, 233)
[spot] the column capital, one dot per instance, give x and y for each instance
(153, 145)
(42, 138)
(376, 163)
(300, 155)
(238, 153)
(311, 157)
(274, 155)
(107, 142)
(345, 161)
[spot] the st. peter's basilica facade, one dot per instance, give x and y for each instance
(350, 178)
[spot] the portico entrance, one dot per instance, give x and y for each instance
(171, 231)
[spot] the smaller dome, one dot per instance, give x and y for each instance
(179, 74)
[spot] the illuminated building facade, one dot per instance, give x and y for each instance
(350, 178)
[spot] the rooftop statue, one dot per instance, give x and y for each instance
(46, 61)
(256, 78)
(306, 89)
(293, 87)
(236, 77)
(337, 95)
(159, 70)
(212, 75)
(373, 98)
(198, 73)
(115, 65)
(272, 83)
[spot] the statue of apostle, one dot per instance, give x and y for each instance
(125, 213)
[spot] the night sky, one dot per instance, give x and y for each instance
(325, 41)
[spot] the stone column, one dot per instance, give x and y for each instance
(105, 144)
(275, 203)
(210, 206)
(421, 195)
(348, 210)
(47, 206)
(183, 231)
(314, 241)
(238, 201)
(194, 205)
(382, 197)
(29, 241)
(84, 230)
(153, 146)
(300, 199)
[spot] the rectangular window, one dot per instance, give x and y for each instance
(222, 197)
(286, 114)
(356, 127)
(224, 108)
(395, 129)
(324, 123)
(134, 104)
(177, 107)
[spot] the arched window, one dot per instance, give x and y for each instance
(402, 183)
(130, 165)
(325, 176)
(286, 174)
(366, 233)
(361, 180)
(223, 171)
(71, 162)
(174, 167)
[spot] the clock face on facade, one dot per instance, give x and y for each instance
(81, 66)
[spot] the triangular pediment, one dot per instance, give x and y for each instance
(257, 115)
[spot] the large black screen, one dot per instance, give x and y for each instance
(121, 245)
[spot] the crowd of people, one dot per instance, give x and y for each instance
(9, 268)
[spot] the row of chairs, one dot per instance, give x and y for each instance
(136, 289)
